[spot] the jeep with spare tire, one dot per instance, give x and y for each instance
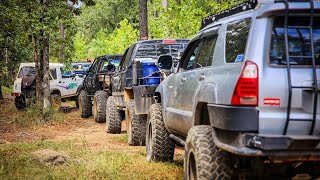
(244, 99)
(133, 86)
(96, 87)
(64, 85)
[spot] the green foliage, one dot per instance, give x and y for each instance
(121, 38)
(102, 43)
(105, 15)
(80, 46)
(182, 19)
(108, 26)
(7, 90)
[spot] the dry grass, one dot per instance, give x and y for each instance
(94, 153)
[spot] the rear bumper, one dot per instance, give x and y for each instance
(236, 131)
(294, 148)
(234, 118)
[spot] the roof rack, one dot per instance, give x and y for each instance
(241, 7)
(244, 6)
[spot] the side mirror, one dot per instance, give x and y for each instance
(165, 62)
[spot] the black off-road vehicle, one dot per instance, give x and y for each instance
(96, 87)
(134, 84)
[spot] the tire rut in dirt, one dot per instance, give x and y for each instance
(113, 117)
(159, 146)
(99, 106)
(203, 159)
(136, 126)
(85, 105)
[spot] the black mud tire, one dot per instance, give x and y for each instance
(203, 159)
(113, 117)
(136, 126)
(55, 102)
(20, 102)
(99, 106)
(159, 146)
(85, 105)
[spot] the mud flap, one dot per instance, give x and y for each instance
(143, 98)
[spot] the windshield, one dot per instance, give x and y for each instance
(156, 50)
(115, 62)
(27, 70)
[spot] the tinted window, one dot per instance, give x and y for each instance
(26, 70)
(299, 44)
(127, 57)
(53, 73)
(191, 57)
(156, 50)
(146, 50)
(236, 40)
(94, 66)
(206, 53)
(104, 65)
(65, 73)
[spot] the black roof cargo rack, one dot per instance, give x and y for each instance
(241, 7)
(244, 6)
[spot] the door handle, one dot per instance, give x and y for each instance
(202, 77)
(183, 79)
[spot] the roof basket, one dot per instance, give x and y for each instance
(244, 6)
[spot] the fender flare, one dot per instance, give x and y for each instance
(52, 91)
(80, 87)
(159, 91)
(205, 94)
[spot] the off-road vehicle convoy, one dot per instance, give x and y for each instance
(245, 94)
(96, 87)
(63, 86)
(134, 84)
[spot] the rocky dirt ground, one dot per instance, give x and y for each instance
(82, 132)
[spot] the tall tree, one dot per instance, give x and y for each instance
(143, 19)
(1, 94)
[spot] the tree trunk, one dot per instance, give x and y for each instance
(44, 63)
(45, 66)
(143, 19)
(39, 92)
(1, 95)
(63, 36)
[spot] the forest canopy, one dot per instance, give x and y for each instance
(91, 28)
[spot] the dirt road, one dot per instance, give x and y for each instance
(87, 136)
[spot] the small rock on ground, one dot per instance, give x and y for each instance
(51, 157)
(3, 141)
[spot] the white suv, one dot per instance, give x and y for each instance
(63, 85)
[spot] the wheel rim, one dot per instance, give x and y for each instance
(192, 169)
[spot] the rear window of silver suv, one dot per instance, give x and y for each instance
(299, 45)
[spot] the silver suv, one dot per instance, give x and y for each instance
(244, 96)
